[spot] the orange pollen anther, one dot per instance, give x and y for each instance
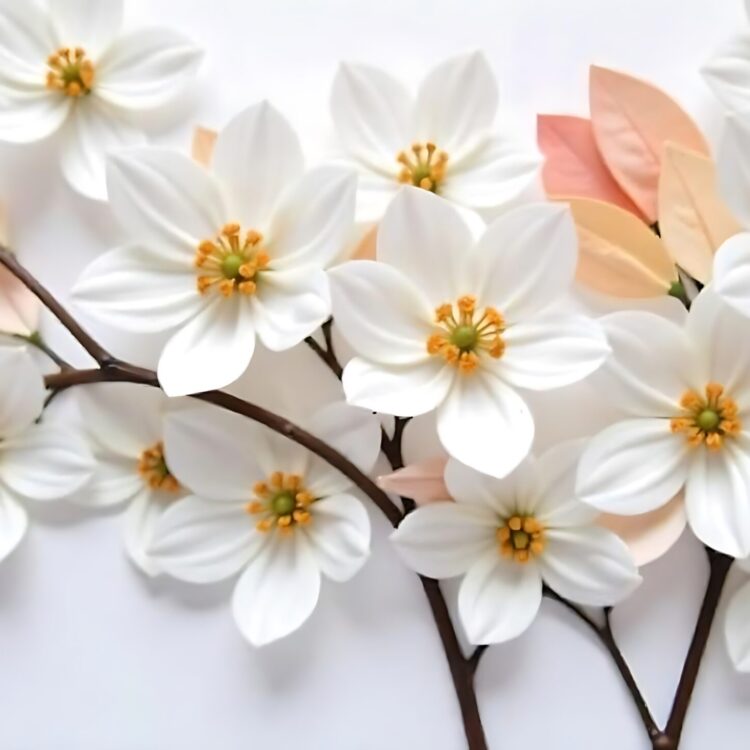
(70, 72)
(464, 335)
(231, 263)
(708, 419)
(521, 538)
(154, 470)
(282, 502)
(422, 166)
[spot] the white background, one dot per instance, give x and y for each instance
(95, 657)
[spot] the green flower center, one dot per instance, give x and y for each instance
(708, 420)
(283, 503)
(230, 266)
(465, 337)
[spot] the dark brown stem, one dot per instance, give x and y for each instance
(326, 353)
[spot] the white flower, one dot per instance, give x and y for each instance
(441, 141)
(444, 321)
(266, 507)
(687, 389)
(37, 461)
(737, 624)
(124, 422)
(509, 536)
(68, 66)
(222, 259)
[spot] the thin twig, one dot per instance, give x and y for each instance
(36, 341)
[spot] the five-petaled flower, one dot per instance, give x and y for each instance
(69, 66)
(509, 536)
(444, 321)
(687, 391)
(222, 259)
(267, 507)
(442, 141)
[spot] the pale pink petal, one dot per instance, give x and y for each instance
(422, 482)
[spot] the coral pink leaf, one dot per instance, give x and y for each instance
(19, 308)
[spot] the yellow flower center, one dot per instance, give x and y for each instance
(282, 501)
(708, 419)
(70, 72)
(154, 470)
(521, 538)
(423, 167)
(230, 263)
(464, 334)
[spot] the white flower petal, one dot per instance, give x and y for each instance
(374, 194)
(717, 497)
(210, 351)
(202, 541)
(728, 73)
(313, 221)
(733, 167)
(166, 197)
(146, 68)
(214, 453)
(290, 305)
(551, 351)
(278, 591)
(732, 272)
(372, 113)
(13, 523)
(637, 381)
(426, 238)
(45, 463)
(339, 536)
(512, 260)
(485, 424)
(31, 115)
(380, 312)
(471, 487)
(492, 176)
(633, 467)
(737, 629)
(91, 24)
(27, 39)
(22, 389)
(115, 480)
(588, 565)
(400, 390)
(499, 598)
(444, 540)
(94, 130)
(457, 103)
(139, 525)
(256, 157)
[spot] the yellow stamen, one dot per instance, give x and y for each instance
(424, 168)
(70, 72)
(521, 538)
(154, 470)
(708, 419)
(285, 502)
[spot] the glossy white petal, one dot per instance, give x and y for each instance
(136, 288)
(372, 113)
(400, 390)
(380, 312)
(13, 523)
(651, 365)
(444, 540)
(45, 463)
(737, 629)
(210, 351)
(498, 599)
(202, 541)
(733, 167)
(290, 305)
(503, 496)
(717, 497)
(31, 115)
(278, 591)
(146, 68)
(728, 73)
(27, 38)
(633, 467)
(426, 238)
(550, 351)
(313, 222)
(374, 194)
(339, 536)
(91, 24)
(115, 480)
(256, 157)
(588, 565)
(214, 453)
(732, 272)
(139, 524)
(457, 103)
(493, 175)
(512, 261)
(165, 197)
(21, 388)
(485, 424)
(94, 131)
